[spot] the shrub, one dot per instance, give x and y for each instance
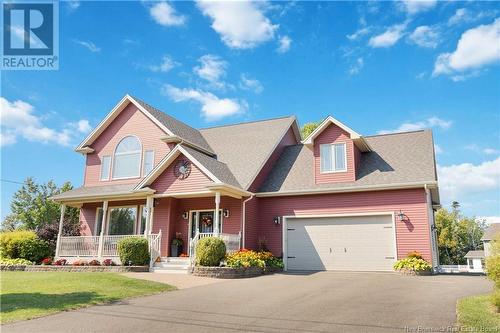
(14, 262)
(47, 261)
(210, 251)
(108, 262)
(48, 232)
(94, 263)
(80, 263)
(493, 269)
(133, 251)
(33, 249)
(60, 262)
(9, 242)
(412, 264)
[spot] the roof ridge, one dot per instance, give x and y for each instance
(247, 122)
(397, 133)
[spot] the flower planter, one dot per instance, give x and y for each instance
(414, 273)
(70, 268)
(227, 272)
(175, 250)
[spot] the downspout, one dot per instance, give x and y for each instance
(243, 220)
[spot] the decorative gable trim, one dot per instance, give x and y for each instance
(122, 104)
(358, 140)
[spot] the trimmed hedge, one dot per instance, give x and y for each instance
(24, 245)
(210, 251)
(133, 251)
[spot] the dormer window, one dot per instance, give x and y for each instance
(127, 159)
(333, 158)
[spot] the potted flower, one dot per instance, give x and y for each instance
(176, 246)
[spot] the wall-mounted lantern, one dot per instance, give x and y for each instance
(401, 216)
(277, 220)
(225, 212)
(185, 215)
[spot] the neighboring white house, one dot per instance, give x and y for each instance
(475, 259)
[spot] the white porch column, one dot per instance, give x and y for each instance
(103, 227)
(59, 234)
(149, 216)
(217, 217)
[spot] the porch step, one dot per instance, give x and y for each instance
(172, 265)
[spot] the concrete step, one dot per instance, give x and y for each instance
(171, 265)
(175, 260)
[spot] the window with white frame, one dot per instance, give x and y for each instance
(105, 166)
(142, 220)
(98, 222)
(148, 162)
(127, 159)
(122, 220)
(333, 157)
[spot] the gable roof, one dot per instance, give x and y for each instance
(491, 232)
(245, 147)
(475, 254)
(217, 171)
(395, 159)
(171, 126)
(358, 140)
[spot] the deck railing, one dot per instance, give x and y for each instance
(101, 247)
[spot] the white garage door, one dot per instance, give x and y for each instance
(361, 243)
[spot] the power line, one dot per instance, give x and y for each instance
(10, 181)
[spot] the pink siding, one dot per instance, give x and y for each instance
(130, 121)
(164, 219)
(334, 134)
(167, 181)
(412, 235)
(287, 140)
(251, 223)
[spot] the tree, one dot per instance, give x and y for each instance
(31, 207)
(457, 234)
(308, 128)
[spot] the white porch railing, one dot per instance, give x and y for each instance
(90, 246)
(232, 242)
(453, 268)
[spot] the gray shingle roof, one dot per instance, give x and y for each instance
(245, 147)
(475, 254)
(177, 127)
(491, 232)
(217, 168)
(91, 191)
(396, 158)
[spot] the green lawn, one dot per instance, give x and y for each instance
(26, 295)
(478, 314)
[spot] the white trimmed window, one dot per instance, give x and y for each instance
(333, 157)
(148, 162)
(105, 167)
(127, 159)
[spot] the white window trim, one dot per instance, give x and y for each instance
(221, 216)
(109, 168)
(144, 159)
(332, 145)
(108, 218)
(139, 217)
(128, 153)
(96, 220)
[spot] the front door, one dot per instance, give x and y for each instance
(202, 222)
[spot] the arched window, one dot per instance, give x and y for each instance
(127, 159)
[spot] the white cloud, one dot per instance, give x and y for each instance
(489, 219)
(88, 45)
(461, 15)
(18, 120)
(491, 151)
(164, 14)
(284, 44)
(212, 69)
(84, 126)
(73, 4)
(240, 24)
(389, 37)
(419, 125)
(357, 66)
(487, 151)
(359, 33)
(417, 6)
(477, 47)
(212, 107)
(438, 149)
(247, 83)
(459, 180)
(167, 64)
(425, 36)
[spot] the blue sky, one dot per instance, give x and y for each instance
(378, 67)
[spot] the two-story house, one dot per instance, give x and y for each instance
(336, 200)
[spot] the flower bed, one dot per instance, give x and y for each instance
(413, 264)
(71, 268)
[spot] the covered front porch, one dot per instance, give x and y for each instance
(158, 218)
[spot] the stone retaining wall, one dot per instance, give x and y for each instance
(231, 273)
(69, 268)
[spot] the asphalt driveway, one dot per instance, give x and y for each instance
(319, 302)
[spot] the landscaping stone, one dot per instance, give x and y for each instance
(227, 272)
(70, 268)
(414, 273)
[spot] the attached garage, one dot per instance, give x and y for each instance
(355, 243)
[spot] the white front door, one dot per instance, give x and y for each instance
(363, 243)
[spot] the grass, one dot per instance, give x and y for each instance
(478, 314)
(26, 295)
